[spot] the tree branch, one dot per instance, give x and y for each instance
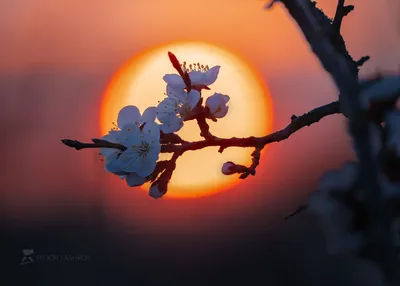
(296, 124)
(341, 12)
(97, 143)
(336, 62)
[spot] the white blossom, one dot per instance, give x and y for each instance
(146, 143)
(198, 77)
(143, 148)
(217, 104)
(176, 107)
(131, 114)
(110, 137)
(134, 180)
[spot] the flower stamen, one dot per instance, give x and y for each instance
(194, 67)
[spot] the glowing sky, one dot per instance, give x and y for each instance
(57, 57)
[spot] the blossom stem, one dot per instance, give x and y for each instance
(296, 124)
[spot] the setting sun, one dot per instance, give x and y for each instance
(139, 82)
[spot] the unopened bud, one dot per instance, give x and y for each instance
(227, 168)
(155, 191)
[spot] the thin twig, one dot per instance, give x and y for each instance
(341, 11)
(97, 143)
(299, 210)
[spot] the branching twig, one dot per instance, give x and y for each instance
(204, 127)
(341, 11)
(296, 124)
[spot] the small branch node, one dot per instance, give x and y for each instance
(362, 61)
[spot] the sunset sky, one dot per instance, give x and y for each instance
(58, 56)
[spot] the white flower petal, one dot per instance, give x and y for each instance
(127, 115)
(146, 164)
(222, 112)
(151, 132)
(193, 98)
(225, 98)
(166, 108)
(217, 104)
(174, 79)
(149, 115)
(171, 124)
(112, 164)
(176, 93)
(134, 180)
(212, 103)
(129, 161)
(111, 137)
(197, 77)
(211, 75)
(130, 135)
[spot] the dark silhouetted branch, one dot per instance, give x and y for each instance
(341, 12)
(362, 61)
(296, 124)
(344, 72)
(97, 143)
(299, 210)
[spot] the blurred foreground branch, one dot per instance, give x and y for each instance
(328, 45)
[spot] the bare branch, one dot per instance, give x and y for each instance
(204, 127)
(166, 138)
(255, 162)
(297, 123)
(97, 143)
(299, 210)
(362, 61)
(341, 12)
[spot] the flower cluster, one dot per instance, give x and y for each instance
(142, 137)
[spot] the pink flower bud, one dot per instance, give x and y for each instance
(227, 168)
(158, 188)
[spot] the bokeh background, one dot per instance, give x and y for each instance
(56, 59)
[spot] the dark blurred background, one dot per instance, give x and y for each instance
(56, 60)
